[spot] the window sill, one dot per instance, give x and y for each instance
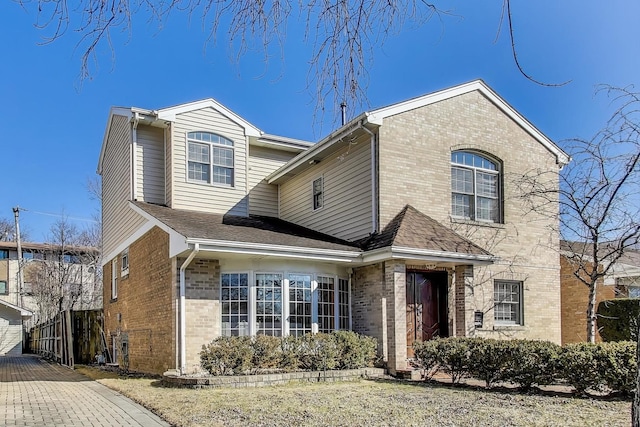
(487, 224)
(209, 184)
(507, 327)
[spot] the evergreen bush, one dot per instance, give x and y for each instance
(618, 319)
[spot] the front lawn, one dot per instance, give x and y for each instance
(365, 403)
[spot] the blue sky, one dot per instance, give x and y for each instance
(52, 126)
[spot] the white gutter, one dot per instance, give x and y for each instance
(374, 189)
(396, 252)
(306, 156)
(183, 318)
(275, 250)
(134, 149)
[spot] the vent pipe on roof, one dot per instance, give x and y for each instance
(343, 110)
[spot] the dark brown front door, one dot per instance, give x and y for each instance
(426, 307)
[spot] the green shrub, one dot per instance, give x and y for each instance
(618, 319)
(489, 359)
(453, 357)
(318, 352)
(426, 357)
(532, 362)
(618, 365)
(227, 356)
(290, 350)
(354, 350)
(267, 352)
(579, 366)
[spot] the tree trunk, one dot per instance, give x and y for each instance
(635, 407)
(591, 314)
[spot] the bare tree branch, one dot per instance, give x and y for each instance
(599, 196)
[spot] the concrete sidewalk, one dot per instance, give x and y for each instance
(34, 392)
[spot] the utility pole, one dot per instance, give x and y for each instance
(16, 215)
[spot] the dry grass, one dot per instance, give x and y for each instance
(364, 403)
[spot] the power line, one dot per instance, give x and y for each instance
(75, 218)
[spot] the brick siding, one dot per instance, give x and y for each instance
(144, 311)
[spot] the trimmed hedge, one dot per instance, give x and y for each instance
(313, 352)
(618, 319)
(605, 367)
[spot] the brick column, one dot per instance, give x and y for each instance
(463, 273)
(395, 291)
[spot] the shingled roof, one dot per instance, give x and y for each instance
(413, 229)
(252, 229)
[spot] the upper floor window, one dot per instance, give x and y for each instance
(4, 254)
(318, 193)
(210, 158)
(475, 185)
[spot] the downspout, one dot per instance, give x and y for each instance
(134, 149)
(374, 187)
(183, 318)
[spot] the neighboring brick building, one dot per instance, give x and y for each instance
(403, 224)
(622, 281)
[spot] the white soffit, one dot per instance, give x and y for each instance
(171, 112)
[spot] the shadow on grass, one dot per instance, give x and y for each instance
(500, 389)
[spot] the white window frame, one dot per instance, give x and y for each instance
(474, 196)
(249, 327)
(192, 138)
(519, 310)
(320, 204)
(114, 278)
(283, 299)
(124, 263)
(252, 277)
(288, 298)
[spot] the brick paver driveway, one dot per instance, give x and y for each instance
(36, 393)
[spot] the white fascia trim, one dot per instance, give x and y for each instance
(275, 250)
(304, 157)
(23, 311)
(284, 141)
(378, 116)
(177, 242)
(114, 111)
(171, 112)
(398, 252)
(106, 258)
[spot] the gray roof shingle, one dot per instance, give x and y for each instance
(413, 229)
(252, 229)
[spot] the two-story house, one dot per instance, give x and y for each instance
(403, 224)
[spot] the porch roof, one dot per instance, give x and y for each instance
(262, 230)
(415, 230)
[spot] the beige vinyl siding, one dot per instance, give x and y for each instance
(118, 220)
(208, 197)
(150, 164)
(347, 194)
(168, 162)
(263, 197)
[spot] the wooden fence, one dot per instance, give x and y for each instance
(70, 337)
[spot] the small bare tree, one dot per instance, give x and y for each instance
(598, 195)
(8, 231)
(65, 276)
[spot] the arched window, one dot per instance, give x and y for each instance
(210, 158)
(475, 187)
